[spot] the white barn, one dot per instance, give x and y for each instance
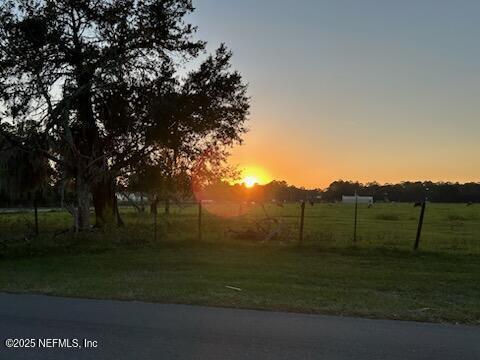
(350, 199)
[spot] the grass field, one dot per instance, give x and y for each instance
(378, 276)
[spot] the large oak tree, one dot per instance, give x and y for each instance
(95, 76)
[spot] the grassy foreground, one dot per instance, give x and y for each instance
(326, 275)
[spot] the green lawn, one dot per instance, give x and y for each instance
(379, 276)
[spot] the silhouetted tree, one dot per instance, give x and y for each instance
(192, 123)
(84, 71)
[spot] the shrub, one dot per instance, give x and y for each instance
(456, 217)
(388, 217)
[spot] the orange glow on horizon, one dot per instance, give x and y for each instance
(252, 175)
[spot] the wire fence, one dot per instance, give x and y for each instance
(452, 228)
(445, 227)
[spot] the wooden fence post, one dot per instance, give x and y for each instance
(355, 220)
(199, 220)
(35, 206)
(154, 210)
(420, 224)
(302, 219)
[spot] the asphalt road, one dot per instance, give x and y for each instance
(134, 330)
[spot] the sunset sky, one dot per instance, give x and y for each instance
(360, 90)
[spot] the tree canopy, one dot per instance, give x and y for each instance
(99, 82)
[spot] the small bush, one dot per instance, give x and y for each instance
(388, 217)
(456, 217)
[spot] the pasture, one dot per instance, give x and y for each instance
(447, 228)
(233, 264)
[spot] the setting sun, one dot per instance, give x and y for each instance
(252, 175)
(250, 181)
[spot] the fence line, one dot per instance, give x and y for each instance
(449, 227)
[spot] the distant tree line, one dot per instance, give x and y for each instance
(275, 191)
(406, 191)
(402, 192)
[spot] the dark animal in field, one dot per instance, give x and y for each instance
(370, 206)
(469, 203)
(279, 204)
(311, 203)
(417, 204)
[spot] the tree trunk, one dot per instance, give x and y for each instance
(83, 205)
(117, 210)
(35, 208)
(105, 203)
(142, 204)
(153, 205)
(167, 205)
